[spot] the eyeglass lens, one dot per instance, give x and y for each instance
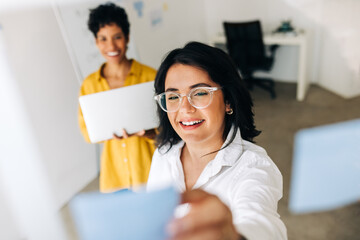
(199, 98)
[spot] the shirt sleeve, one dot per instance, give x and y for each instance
(81, 120)
(160, 173)
(257, 190)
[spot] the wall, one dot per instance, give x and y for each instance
(45, 160)
(332, 29)
(156, 27)
(48, 89)
(27, 204)
(339, 69)
(270, 13)
(182, 21)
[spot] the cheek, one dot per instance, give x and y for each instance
(172, 117)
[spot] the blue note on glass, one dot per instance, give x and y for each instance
(124, 215)
(326, 167)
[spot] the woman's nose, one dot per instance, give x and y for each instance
(111, 45)
(186, 106)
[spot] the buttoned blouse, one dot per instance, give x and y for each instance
(124, 163)
(242, 175)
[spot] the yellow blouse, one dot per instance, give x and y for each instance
(124, 163)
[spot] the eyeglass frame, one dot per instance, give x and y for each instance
(181, 96)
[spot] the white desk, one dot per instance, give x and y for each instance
(280, 39)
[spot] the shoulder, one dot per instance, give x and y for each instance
(254, 154)
(160, 170)
(92, 78)
(167, 152)
(165, 156)
(145, 69)
(255, 164)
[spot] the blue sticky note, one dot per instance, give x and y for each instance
(139, 6)
(326, 167)
(124, 215)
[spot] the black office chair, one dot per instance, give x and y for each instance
(244, 41)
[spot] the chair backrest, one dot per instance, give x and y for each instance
(245, 44)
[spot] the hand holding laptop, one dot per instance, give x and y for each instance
(131, 108)
(143, 133)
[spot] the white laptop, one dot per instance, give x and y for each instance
(132, 108)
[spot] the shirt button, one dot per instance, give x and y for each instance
(125, 159)
(124, 145)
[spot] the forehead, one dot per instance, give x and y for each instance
(110, 28)
(180, 76)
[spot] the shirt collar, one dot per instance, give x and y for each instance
(229, 155)
(226, 157)
(98, 72)
(135, 70)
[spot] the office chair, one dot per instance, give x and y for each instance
(245, 46)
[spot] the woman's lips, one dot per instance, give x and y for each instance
(188, 125)
(113, 54)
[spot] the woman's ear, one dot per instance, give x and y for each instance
(227, 106)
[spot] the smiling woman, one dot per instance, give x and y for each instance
(125, 161)
(206, 150)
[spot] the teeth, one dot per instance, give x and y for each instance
(191, 123)
(111, 54)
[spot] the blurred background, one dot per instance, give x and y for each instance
(46, 51)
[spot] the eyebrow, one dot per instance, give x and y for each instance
(191, 87)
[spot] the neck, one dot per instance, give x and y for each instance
(200, 152)
(118, 69)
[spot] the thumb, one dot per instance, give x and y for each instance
(125, 135)
(194, 196)
(140, 133)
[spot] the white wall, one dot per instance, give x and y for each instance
(177, 23)
(270, 13)
(28, 208)
(42, 140)
(183, 21)
(339, 69)
(9, 229)
(48, 86)
(332, 27)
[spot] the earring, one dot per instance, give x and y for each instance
(231, 111)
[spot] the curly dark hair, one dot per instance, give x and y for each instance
(106, 14)
(222, 71)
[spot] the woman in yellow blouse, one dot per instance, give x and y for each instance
(125, 162)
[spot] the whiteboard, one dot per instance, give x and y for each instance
(72, 19)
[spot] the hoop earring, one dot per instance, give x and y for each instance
(231, 111)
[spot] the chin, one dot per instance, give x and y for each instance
(191, 138)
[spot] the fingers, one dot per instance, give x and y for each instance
(117, 137)
(208, 234)
(140, 133)
(206, 209)
(208, 215)
(194, 196)
(124, 133)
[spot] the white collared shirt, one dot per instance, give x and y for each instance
(242, 175)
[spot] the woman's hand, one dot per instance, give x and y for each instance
(209, 218)
(148, 133)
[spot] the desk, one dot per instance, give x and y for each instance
(280, 39)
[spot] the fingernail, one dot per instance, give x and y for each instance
(173, 228)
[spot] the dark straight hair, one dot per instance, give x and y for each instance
(222, 71)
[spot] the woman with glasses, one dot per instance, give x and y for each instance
(125, 161)
(205, 149)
